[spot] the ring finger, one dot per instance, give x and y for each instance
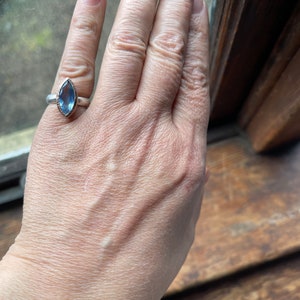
(165, 55)
(78, 59)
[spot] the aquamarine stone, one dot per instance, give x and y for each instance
(67, 98)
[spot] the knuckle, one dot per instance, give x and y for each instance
(194, 165)
(125, 41)
(197, 171)
(85, 26)
(190, 163)
(197, 30)
(77, 67)
(193, 172)
(195, 76)
(169, 45)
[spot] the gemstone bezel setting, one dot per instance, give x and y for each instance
(67, 99)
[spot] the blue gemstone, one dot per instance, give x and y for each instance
(67, 98)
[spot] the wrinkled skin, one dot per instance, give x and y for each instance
(113, 193)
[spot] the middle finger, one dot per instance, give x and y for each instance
(125, 52)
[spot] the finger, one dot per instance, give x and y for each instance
(125, 52)
(192, 103)
(165, 55)
(78, 59)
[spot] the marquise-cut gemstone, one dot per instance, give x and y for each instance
(67, 98)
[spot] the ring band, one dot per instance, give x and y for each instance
(67, 99)
(52, 99)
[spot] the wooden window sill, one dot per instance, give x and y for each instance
(250, 212)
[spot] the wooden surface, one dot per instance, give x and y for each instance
(250, 212)
(285, 49)
(222, 36)
(250, 215)
(246, 36)
(278, 118)
(278, 280)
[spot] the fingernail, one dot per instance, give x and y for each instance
(197, 6)
(92, 2)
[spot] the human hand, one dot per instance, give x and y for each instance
(113, 193)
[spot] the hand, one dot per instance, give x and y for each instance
(114, 192)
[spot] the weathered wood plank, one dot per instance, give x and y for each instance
(279, 280)
(247, 34)
(278, 118)
(223, 31)
(250, 212)
(285, 49)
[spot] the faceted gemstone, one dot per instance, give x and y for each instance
(67, 98)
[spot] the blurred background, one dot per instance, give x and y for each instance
(32, 37)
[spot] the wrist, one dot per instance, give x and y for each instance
(13, 279)
(22, 278)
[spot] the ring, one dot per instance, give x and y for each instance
(67, 99)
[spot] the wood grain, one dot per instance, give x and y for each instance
(285, 49)
(250, 212)
(247, 34)
(278, 119)
(279, 280)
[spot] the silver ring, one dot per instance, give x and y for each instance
(67, 99)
